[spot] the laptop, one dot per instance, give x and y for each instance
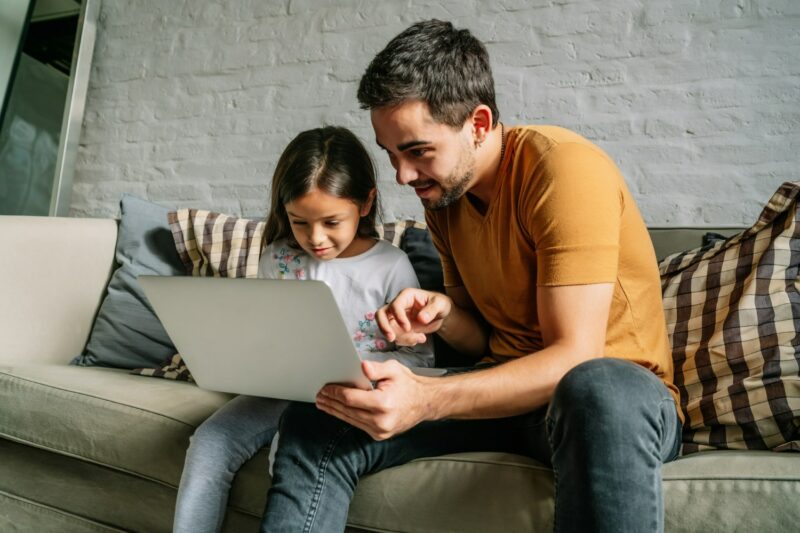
(273, 338)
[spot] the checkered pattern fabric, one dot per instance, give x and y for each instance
(733, 317)
(173, 368)
(393, 231)
(213, 244)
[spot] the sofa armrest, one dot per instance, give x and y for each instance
(53, 275)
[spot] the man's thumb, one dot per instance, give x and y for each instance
(373, 370)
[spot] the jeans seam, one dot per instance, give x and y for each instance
(676, 447)
(550, 424)
(323, 467)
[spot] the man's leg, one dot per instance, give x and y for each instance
(612, 424)
(218, 448)
(320, 460)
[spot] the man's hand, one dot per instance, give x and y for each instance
(412, 315)
(395, 405)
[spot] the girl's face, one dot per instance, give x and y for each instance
(326, 226)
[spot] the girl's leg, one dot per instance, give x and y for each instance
(217, 450)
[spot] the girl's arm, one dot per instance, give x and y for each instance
(402, 276)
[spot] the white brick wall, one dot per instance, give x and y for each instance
(191, 102)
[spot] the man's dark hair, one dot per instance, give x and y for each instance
(446, 68)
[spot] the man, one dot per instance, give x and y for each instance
(550, 279)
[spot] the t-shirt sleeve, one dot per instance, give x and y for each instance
(437, 229)
(281, 261)
(266, 264)
(403, 277)
(573, 215)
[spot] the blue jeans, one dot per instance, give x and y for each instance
(610, 426)
(219, 447)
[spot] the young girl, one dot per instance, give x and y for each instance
(321, 226)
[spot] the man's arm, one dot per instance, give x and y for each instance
(465, 330)
(573, 321)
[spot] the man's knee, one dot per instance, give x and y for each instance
(600, 388)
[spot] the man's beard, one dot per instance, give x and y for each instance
(454, 186)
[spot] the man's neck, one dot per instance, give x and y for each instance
(487, 163)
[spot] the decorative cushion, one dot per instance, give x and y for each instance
(416, 242)
(126, 332)
(733, 310)
(213, 244)
(172, 368)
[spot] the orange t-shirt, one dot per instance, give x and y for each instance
(560, 214)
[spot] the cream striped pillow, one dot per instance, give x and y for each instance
(213, 244)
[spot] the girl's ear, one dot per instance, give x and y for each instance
(366, 207)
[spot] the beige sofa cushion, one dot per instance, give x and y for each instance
(710, 491)
(141, 426)
(107, 416)
(54, 273)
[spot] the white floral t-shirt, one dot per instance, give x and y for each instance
(360, 285)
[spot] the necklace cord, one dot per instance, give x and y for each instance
(502, 141)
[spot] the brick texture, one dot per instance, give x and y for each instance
(191, 102)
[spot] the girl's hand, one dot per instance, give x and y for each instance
(412, 315)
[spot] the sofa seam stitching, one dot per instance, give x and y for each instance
(94, 397)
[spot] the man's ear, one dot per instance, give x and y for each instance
(481, 122)
(367, 206)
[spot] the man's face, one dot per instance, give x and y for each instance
(435, 159)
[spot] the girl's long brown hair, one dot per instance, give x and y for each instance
(331, 159)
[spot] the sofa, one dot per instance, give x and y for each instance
(93, 449)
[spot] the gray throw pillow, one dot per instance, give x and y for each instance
(126, 332)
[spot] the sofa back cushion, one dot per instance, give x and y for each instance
(126, 332)
(54, 273)
(732, 310)
(214, 244)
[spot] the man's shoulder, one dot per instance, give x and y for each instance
(542, 138)
(549, 152)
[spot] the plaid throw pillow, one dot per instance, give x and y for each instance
(394, 231)
(213, 244)
(733, 311)
(173, 368)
